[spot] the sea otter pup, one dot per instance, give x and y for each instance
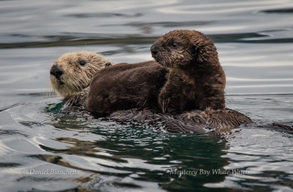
(71, 73)
(193, 80)
(196, 79)
(125, 86)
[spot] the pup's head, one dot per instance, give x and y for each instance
(184, 48)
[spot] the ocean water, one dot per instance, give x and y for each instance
(42, 149)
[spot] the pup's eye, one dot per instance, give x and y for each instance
(174, 45)
(107, 64)
(82, 62)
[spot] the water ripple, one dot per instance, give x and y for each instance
(100, 39)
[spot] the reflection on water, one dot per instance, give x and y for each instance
(43, 149)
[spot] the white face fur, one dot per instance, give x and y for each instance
(72, 72)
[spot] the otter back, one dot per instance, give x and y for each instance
(126, 86)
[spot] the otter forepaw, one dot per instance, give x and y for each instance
(164, 105)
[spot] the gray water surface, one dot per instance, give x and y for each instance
(42, 149)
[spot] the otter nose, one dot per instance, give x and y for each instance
(56, 71)
(154, 50)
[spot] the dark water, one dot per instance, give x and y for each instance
(42, 149)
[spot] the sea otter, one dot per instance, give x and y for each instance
(196, 79)
(71, 73)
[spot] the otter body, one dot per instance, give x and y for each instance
(126, 86)
(196, 79)
(195, 121)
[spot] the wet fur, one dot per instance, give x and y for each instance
(196, 121)
(75, 78)
(196, 79)
(193, 81)
(126, 86)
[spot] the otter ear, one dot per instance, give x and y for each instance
(195, 48)
(197, 56)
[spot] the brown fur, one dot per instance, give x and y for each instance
(195, 121)
(126, 86)
(75, 78)
(196, 79)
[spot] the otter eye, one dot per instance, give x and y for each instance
(174, 45)
(82, 62)
(107, 64)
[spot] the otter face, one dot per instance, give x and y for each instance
(181, 48)
(72, 72)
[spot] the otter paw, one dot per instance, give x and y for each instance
(164, 104)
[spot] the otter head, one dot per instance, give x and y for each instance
(72, 72)
(183, 48)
